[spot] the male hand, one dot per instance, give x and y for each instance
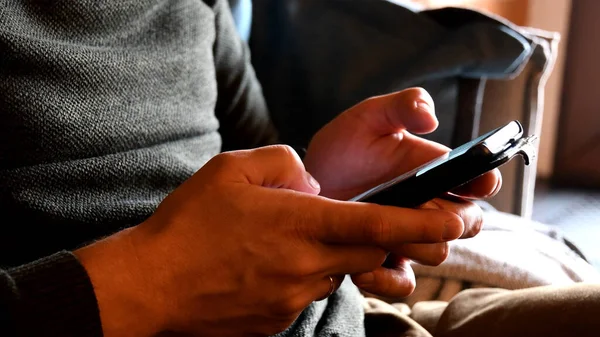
(373, 142)
(243, 247)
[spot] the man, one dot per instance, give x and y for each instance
(113, 115)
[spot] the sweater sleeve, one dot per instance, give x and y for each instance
(241, 108)
(52, 296)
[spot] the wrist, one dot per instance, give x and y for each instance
(125, 299)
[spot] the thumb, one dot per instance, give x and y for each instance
(275, 166)
(411, 109)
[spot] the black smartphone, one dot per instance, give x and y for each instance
(454, 169)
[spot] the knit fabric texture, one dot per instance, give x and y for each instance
(105, 108)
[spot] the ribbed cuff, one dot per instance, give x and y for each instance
(56, 298)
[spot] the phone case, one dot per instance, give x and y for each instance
(454, 169)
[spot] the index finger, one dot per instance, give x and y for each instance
(484, 186)
(385, 226)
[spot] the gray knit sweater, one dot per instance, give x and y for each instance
(105, 107)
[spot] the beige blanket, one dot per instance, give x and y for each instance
(509, 253)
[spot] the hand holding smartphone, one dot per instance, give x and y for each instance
(454, 169)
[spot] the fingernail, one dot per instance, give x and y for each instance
(497, 188)
(494, 192)
(424, 107)
(445, 250)
(430, 205)
(312, 181)
(450, 230)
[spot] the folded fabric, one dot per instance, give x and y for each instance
(510, 253)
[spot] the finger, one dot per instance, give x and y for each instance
(411, 109)
(333, 283)
(350, 259)
(394, 282)
(326, 288)
(416, 151)
(383, 226)
(470, 213)
(485, 186)
(277, 166)
(420, 151)
(432, 254)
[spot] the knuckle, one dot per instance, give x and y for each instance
(305, 266)
(285, 151)
(223, 160)
(298, 223)
(288, 157)
(376, 227)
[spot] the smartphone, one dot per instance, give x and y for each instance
(455, 168)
